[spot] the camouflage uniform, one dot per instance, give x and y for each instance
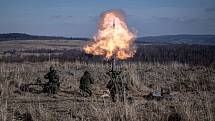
(53, 84)
(118, 88)
(85, 84)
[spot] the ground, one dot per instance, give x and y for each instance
(192, 89)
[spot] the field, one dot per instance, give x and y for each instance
(192, 85)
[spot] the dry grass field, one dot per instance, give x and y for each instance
(39, 44)
(192, 89)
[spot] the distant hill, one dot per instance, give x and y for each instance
(179, 39)
(165, 39)
(21, 36)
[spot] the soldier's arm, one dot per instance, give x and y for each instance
(57, 78)
(81, 80)
(91, 80)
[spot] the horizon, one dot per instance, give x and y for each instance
(91, 37)
(67, 37)
(76, 19)
(136, 37)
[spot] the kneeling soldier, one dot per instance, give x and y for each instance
(53, 85)
(85, 84)
(117, 87)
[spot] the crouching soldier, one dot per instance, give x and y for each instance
(118, 88)
(85, 84)
(53, 85)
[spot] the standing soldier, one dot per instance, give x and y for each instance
(118, 88)
(85, 84)
(53, 84)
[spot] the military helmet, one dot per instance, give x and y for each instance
(86, 73)
(51, 68)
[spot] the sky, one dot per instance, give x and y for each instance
(78, 18)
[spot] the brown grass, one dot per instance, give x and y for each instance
(38, 44)
(193, 88)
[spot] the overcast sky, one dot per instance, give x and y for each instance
(78, 18)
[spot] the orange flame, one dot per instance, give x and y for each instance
(113, 37)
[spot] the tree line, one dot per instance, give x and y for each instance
(187, 54)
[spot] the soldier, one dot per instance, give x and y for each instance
(118, 88)
(85, 84)
(53, 84)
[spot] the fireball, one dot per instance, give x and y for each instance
(113, 37)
